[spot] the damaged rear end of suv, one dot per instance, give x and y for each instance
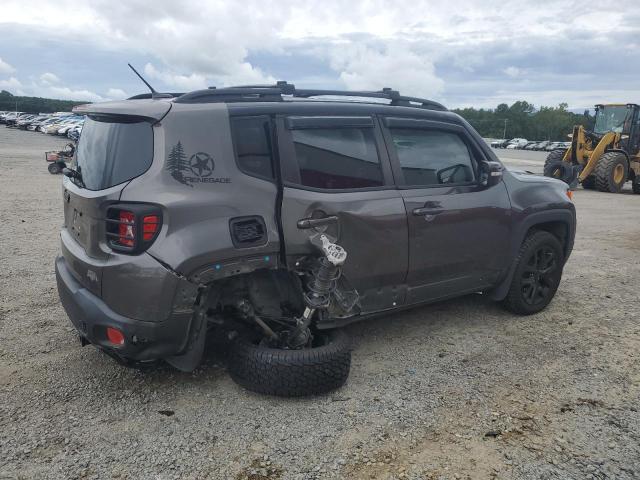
(273, 220)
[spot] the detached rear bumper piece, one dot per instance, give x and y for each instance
(91, 317)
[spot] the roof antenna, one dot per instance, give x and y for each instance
(154, 94)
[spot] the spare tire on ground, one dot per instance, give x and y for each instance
(310, 371)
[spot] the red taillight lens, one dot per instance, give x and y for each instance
(115, 336)
(150, 225)
(127, 229)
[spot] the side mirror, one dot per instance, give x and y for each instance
(490, 173)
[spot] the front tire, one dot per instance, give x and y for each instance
(537, 274)
(555, 167)
(611, 172)
(291, 373)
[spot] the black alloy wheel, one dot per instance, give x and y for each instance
(537, 273)
(539, 276)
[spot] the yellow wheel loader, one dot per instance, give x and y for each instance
(605, 158)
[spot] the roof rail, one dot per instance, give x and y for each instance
(142, 96)
(252, 93)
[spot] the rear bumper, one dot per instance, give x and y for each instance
(91, 317)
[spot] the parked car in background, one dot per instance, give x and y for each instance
(554, 146)
(11, 122)
(517, 143)
(541, 145)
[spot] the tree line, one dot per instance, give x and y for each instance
(523, 120)
(34, 104)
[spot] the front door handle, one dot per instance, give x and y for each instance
(419, 212)
(307, 223)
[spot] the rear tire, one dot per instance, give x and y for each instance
(611, 172)
(291, 373)
(635, 185)
(537, 274)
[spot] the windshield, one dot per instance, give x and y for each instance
(112, 152)
(610, 119)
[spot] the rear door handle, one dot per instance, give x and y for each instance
(419, 212)
(306, 223)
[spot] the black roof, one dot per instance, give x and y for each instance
(274, 93)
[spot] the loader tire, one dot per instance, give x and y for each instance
(611, 172)
(635, 185)
(554, 167)
(291, 373)
(589, 183)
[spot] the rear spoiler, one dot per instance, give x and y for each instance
(152, 109)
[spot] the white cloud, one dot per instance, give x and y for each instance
(49, 78)
(183, 82)
(396, 65)
(512, 71)
(11, 83)
(116, 94)
(66, 93)
(5, 68)
(420, 47)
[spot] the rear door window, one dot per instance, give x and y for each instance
(337, 158)
(432, 157)
(113, 150)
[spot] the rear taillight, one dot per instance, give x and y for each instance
(132, 227)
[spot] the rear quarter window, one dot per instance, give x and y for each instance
(252, 143)
(113, 150)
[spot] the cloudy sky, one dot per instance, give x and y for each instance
(462, 53)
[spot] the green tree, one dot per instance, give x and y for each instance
(524, 120)
(34, 104)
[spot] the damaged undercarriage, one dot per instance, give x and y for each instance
(278, 314)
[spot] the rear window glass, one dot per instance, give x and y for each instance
(111, 152)
(251, 137)
(340, 158)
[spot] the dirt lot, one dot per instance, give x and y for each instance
(460, 389)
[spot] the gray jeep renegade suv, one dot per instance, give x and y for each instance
(273, 216)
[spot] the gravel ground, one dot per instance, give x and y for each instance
(460, 389)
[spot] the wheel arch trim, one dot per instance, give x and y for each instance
(565, 217)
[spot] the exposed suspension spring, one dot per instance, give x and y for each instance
(323, 283)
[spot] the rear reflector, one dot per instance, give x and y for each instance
(115, 336)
